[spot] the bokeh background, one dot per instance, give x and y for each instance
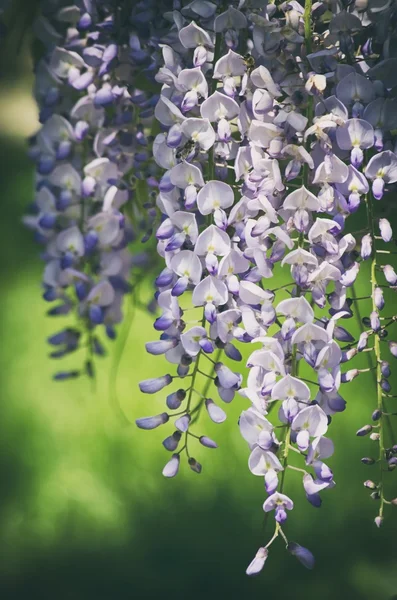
(84, 511)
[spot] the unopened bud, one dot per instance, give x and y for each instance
(370, 484)
(385, 369)
(207, 442)
(364, 430)
(376, 415)
(385, 385)
(194, 465)
(367, 460)
(378, 521)
(393, 348)
(374, 436)
(375, 496)
(394, 501)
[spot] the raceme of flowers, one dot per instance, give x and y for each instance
(92, 158)
(273, 132)
(242, 136)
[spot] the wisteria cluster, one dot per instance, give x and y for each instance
(94, 176)
(277, 123)
(241, 136)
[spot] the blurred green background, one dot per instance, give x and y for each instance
(84, 511)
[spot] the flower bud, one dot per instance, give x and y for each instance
(215, 412)
(385, 369)
(172, 467)
(393, 348)
(175, 399)
(256, 565)
(374, 436)
(378, 521)
(171, 442)
(151, 386)
(194, 465)
(152, 422)
(385, 385)
(183, 423)
(375, 495)
(364, 430)
(302, 554)
(376, 415)
(207, 442)
(370, 484)
(368, 461)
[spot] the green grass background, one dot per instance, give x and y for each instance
(84, 511)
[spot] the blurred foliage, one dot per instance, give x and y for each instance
(84, 511)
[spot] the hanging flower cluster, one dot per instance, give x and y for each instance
(276, 124)
(240, 136)
(94, 176)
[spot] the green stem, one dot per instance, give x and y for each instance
(377, 349)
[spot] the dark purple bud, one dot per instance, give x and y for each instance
(385, 385)
(84, 22)
(385, 369)
(63, 375)
(376, 415)
(368, 461)
(163, 323)
(165, 278)
(175, 399)
(364, 430)
(180, 286)
(90, 241)
(96, 314)
(81, 290)
(232, 352)
(206, 345)
(314, 499)
(302, 554)
(182, 370)
(194, 465)
(342, 335)
(45, 165)
(64, 150)
(47, 221)
(375, 495)
(171, 442)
